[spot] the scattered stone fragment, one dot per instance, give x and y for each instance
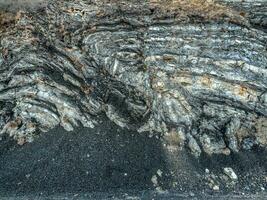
(28, 176)
(159, 173)
(193, 146)
(154, 180)
(230, 173)
(216, 188)
(191, 194)
(230, 133)
(226, 151)
(212, 180)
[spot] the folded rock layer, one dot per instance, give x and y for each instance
(195, 70)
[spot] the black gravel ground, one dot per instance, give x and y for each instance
(111, 163)
(101, 159)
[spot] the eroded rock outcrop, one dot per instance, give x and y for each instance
(253, 10)
(194, 69)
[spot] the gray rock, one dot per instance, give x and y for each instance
(230, 173)
(254, 10)
(193, 146)
(136, 63)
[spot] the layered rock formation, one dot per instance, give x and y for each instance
(194, 71)
(254, 10)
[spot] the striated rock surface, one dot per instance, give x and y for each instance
(254, 10)
(194, 69)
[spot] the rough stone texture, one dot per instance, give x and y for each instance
(14, 5)
(196, 69)
(254, 10)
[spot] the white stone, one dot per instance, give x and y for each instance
(216, 188)
(230, 173)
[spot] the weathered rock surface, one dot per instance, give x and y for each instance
(198, 70)
(254, 10)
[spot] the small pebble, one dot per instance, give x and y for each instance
(191, 194)
(159, 172)
(216, 188)
(230, 173)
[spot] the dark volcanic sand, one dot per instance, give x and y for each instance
(108, 162)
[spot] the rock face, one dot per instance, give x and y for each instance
(15, 5)
(254, 10)
(196, 69)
